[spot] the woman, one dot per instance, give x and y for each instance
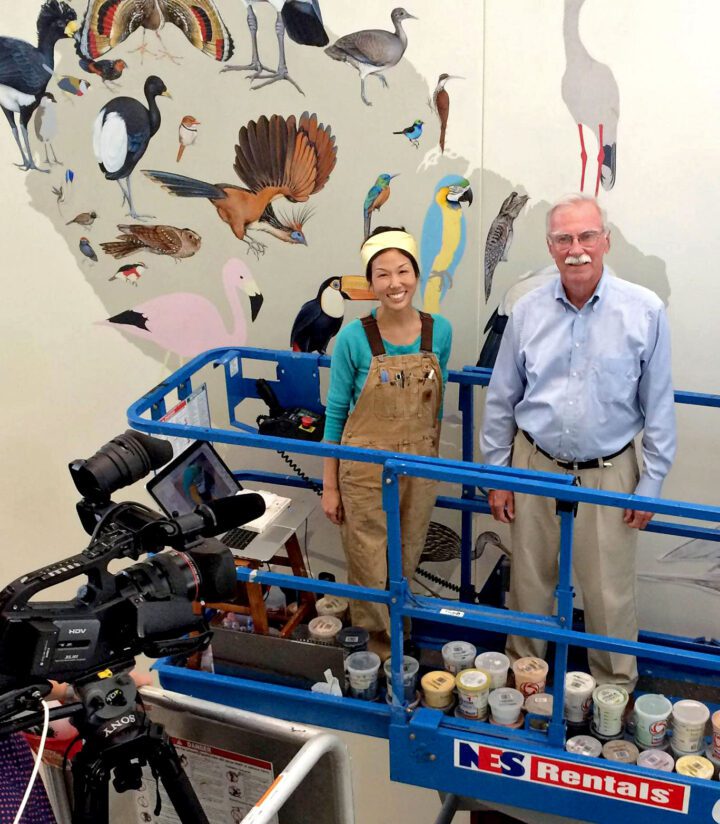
(386, 390)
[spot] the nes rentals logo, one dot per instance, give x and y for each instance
(568, 775)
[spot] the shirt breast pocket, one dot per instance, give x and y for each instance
(616, 378)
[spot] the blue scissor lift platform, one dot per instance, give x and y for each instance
(527, 767)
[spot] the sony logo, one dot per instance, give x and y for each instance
(119, 724)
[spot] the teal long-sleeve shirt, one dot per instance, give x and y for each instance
(351, 362)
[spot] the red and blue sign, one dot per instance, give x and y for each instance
(571, 775)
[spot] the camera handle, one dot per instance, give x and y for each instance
(118, 736)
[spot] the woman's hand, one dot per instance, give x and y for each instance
(332, 505)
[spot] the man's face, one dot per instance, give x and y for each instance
(581, 262)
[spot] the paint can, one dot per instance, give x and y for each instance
(584, 745)
(579, 688)
(689, 719)
(332, 605)
(538, 709)
(651, 719)
(714, 761)
(695, 766)
(530, 675)
(496, 664)
(353, 639)
(506, 706)
(609, 702)
(362, 670)
(437, 688)
(623, 751)
(656, 760)
(473, 688)
(458, 655)
(324, 628)
(409, 675)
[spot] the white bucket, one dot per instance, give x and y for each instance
(362, 670)
(458, 655)
(324, 628)
(473, 687)
(609, 702)
(716, 734)
(506, 705)
(579, 688)
(530, 675)
(584, 745)
(656, 760)
(651, 718)
(332, 605)
(496, 664)
(689, 719)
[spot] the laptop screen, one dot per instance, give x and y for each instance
(197, 476)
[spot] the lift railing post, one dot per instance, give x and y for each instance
(398, 585)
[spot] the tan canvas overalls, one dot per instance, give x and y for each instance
(397, 411)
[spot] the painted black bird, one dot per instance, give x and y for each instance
(107, 70)
(122, 132)
(25, 71)
(320, 319)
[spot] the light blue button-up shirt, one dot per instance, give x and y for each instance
(584, 382)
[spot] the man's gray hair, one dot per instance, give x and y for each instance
(571, 200)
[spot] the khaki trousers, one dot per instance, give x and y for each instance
(604, 552)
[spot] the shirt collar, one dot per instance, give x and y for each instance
(560, 295)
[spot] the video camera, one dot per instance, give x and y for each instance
(144, 608)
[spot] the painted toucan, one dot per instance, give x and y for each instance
(320, 319)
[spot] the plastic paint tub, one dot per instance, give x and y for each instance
(438, 689)
(714, 761)
(516, 725)
(324, 628)
(506, 706)
(362, 669)
(445, 710)
(409, 676)
(458, 655)
(656, 760)
(353, 639)
(496, 664)
(530, 675)
(623, 751)
(473, 687)
(716, 734)
(609, 702)
(579, 688)
(689, 719)
(695, 766)
(539, 704)
(332, 605)
(651, 717)
(584, 745)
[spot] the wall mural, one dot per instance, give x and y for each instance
(500, 236)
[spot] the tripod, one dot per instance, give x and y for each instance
(119, 737)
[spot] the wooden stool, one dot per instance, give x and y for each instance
(256, 603)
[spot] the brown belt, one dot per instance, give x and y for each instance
(593, 463)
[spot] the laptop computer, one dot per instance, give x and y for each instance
(199, 475)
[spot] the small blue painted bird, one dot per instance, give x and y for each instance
(75, 86)
(87, 250)
(377, 195)
(413, 133)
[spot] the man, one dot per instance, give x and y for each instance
(583, 367)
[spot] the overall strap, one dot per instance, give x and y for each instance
(373, 335)
(426, 332)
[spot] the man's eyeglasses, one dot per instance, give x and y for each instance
(588, 240)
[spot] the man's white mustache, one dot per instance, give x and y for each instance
(577, 260)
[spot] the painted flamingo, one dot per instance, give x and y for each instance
(185, 323)
(591, 94)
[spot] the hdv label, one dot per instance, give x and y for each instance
(569, 775)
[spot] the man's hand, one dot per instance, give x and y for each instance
(502, 505)
(636, 519)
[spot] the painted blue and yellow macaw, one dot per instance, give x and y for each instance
(378, 194)
(443, 239)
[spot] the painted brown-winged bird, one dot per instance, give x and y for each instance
(158, 239)
(109, 22)
(108, 70)
(25, 71)
(121, 134)
(279, 157)
(441, 105)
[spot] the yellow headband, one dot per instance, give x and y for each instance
(388, 240)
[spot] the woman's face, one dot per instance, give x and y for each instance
(394, 281)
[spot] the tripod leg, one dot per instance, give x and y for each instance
(164, 760)
(90, 791)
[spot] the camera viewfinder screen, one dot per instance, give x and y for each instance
(195, 477)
